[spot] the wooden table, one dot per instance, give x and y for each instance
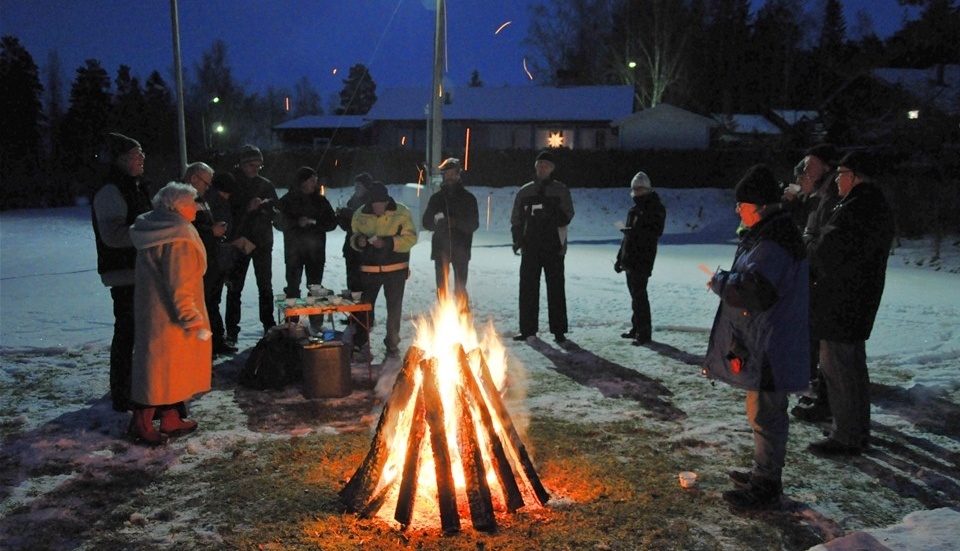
(323, 306)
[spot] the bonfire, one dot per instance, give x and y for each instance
(445, 448)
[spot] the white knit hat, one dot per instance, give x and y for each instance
(640, 180)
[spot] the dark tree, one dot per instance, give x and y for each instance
(128, 104)
(217, 100)
(475, 81)
(306, 99)
(85, 125)
(728, 33)
(159, 132)
(773, 54)
(20, 110)
(359, 92)
(930, 40)
(571, 39)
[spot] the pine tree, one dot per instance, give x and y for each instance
(359, 92)
(20, 110)
(85, 125)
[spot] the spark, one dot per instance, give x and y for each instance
(501, 27)
(525, 70)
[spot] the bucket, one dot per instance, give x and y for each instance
(326, 369)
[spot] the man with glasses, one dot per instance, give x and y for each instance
(848, 263)
(212, 222)
(252, 207)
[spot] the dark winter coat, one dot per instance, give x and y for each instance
(848, 262)
(645, 221)
(541, 213)
(760, 336)
(116, 204)
(453, 233)
(345, 219)
(256, 225)
(295, 204)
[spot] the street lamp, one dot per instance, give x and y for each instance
(207, 141)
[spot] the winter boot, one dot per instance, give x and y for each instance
(142, 431)
(759, 494)
(172, 424)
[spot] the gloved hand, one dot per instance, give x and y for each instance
(617, 267)
(516, 248)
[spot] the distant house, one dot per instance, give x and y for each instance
(316, 131)
(664, 127)
(936, 88)
(747, 128)
(528, 117)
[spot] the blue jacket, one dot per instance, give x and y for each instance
(760, 338)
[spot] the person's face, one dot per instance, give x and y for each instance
(132, 161)
(544, 169)
(251, 168)
(749, 214)
(309, 185)
(379, 207)
(188, 210)
(450, 176)
(846, 180)
(201, 182)
(813, 170)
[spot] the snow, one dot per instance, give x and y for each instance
(55, 320)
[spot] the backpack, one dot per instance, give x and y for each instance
(273, 363)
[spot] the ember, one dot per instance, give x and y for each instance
(445, 445)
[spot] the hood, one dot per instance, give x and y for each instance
(159, 227)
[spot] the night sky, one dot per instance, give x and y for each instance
(275, 43)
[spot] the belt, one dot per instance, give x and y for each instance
(384, 268)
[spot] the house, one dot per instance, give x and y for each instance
(747, 127)
(664, 127)
(526, 117)
(317, 131)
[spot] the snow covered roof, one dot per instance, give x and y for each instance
(925, 85)
(520, 103)
(664, 112)
(793, 116)
(742, 123)
(324, 121)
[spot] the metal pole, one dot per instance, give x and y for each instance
(181, 123)
(435, 121)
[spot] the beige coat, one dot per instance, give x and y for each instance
(170, 362)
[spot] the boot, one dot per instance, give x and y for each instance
(758, 495)
(142, 431)
(172, 424)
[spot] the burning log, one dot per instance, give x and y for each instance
(445, 412)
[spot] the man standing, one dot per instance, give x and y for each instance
(116, 204)
(211, 224)
(384, 233)
(305, 216)
(351, 258)
(638, 251)
(542, 210)
(252, 206)
(452, 216)
(848, 262)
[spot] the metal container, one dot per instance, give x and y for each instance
(326, 369)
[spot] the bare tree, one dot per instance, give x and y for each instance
(571, 41)
(306, 99)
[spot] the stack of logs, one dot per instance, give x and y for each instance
(506, 452)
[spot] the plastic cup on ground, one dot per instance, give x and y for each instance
(688, 479)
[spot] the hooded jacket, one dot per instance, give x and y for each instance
(170, 362)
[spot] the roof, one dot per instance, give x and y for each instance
(923, 85)
(509, 103)
(324, 121)
(661, 112)
(747, 124)
(793, 116)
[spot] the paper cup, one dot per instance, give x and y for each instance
(291, 301)
(688, 479)
(311, 300)
(357, 296)
(336, 300)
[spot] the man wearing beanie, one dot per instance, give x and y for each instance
(252, 206)
(848, 263)
(118, 201)
(638, 251)
(759, 341)
(542, 209)
(351, 258)
(304, 216)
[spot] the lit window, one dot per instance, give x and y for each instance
(913, 114)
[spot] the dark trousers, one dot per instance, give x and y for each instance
(767, 414)
(297, 257)
(844, 367)
(460, 273)
(532, 264)
(121, 348)
(263, 272)
(213, 282)
(641, 325)
(352, 260)
(393, 284)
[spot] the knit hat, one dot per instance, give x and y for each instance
(758, 186)
(449, 163)
(861, 163)
(363, 179)
(118, 144)
(250, 153)
(546, 156)
(640, 180)
(225, 182)
(826, 152)
(304, 173)
(378, 193)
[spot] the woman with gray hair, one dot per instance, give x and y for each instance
(171, 354)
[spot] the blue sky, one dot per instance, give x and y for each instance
(278, 42)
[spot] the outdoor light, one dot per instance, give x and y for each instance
(219, 129)
(913, 114)
(632, 64)
(555, 139)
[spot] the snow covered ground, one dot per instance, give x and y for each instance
(56, 322)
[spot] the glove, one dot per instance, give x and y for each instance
(617, 267)
(516, 248)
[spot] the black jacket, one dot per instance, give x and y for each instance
(848, 264)
(256, 225)
(645, 221)
(453, 233)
